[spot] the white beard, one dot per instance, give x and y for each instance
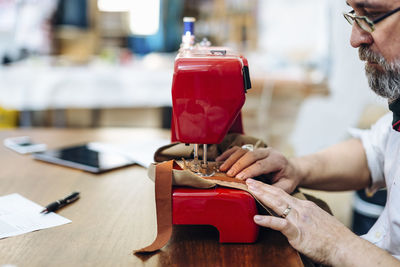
(386, 81)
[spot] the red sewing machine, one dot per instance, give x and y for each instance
(208, 92)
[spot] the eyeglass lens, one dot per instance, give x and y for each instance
(361, 22)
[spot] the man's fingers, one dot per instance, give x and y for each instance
(259, 167)
(227, 153)
(250, 159)
(253, 170)
(279, 224)
(263, 164)
(273, 197)
(235, 156)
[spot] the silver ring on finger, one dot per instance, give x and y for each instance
(286, 212)
(249, 147)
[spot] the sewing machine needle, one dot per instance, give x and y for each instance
(205, 155)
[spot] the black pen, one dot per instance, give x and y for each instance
(61, 203)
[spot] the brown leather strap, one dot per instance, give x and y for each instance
(163, 191)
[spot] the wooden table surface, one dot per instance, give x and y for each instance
(115, 214)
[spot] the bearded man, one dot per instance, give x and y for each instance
(370, 160)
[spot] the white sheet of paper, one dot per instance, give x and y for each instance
(19, 215)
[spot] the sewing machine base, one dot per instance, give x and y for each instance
(231, 211)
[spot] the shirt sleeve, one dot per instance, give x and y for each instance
(374, 142)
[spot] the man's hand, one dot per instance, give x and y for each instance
(340, 167)
(308, 228)
(314, 232)
(244, 164)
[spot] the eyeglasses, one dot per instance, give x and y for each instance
(364, 22)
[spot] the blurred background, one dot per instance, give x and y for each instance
(109, 63)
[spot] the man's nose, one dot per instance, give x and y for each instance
(359, 36)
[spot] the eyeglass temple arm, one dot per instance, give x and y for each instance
(386, 15)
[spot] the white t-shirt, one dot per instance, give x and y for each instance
(382, 146)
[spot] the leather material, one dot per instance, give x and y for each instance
(183, 177)
(163, 184)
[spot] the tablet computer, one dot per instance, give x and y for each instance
(89, 157)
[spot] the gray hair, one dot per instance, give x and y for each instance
(386, 81)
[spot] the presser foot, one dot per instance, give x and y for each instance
(201, 169)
